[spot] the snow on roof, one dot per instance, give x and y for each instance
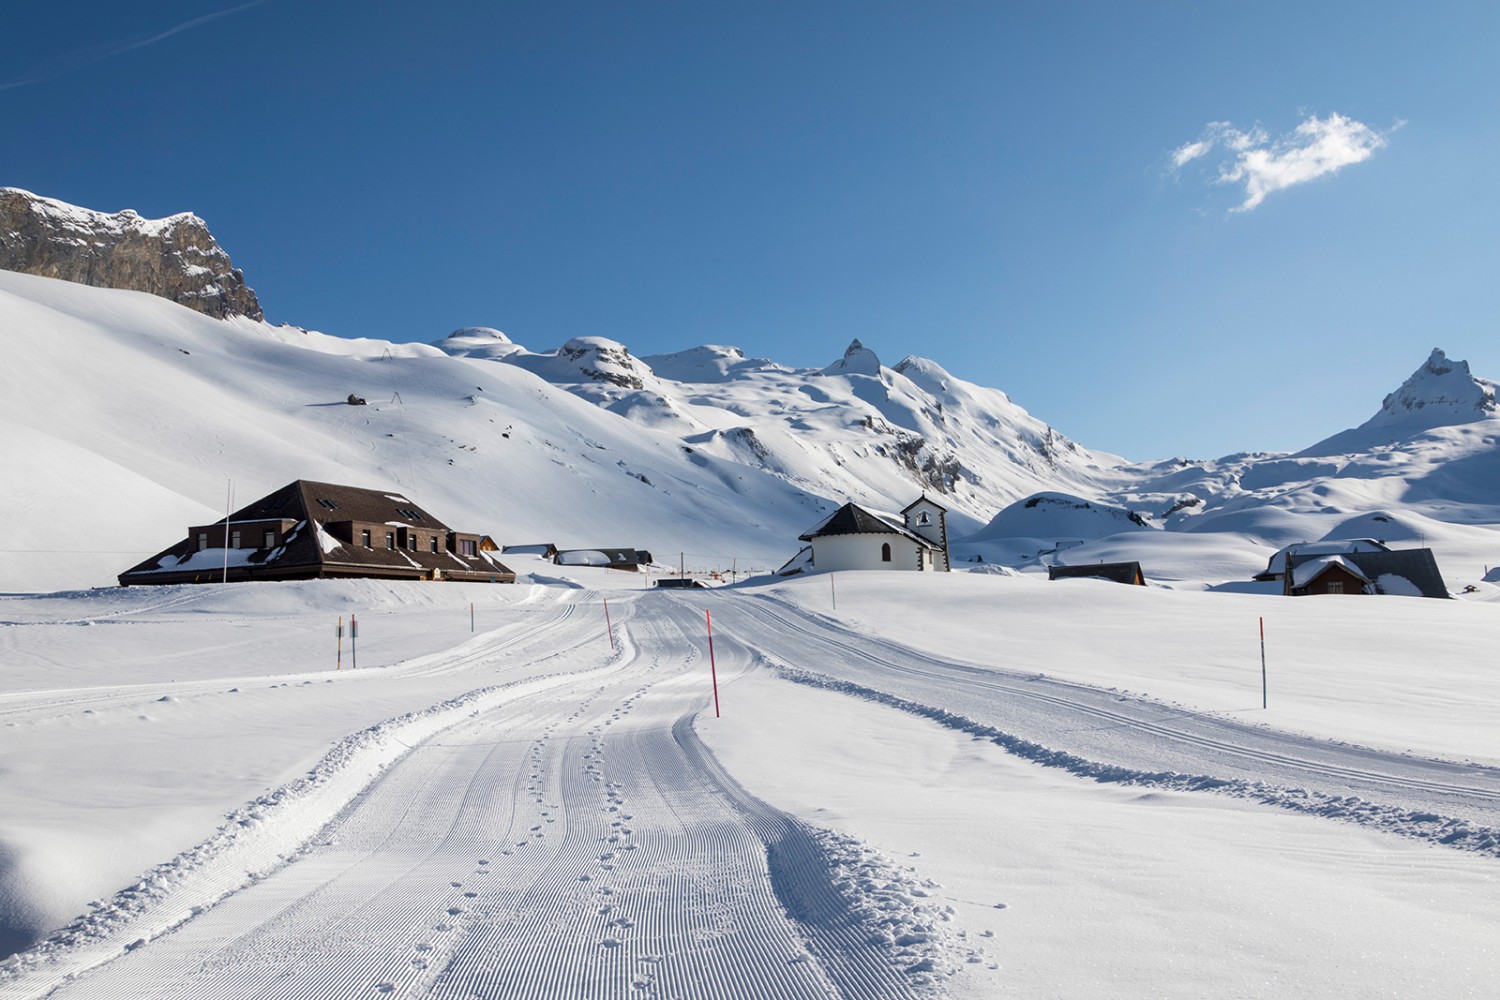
(1276, 566)
(1304, 573)
(327, 541)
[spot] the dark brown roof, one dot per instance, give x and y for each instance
(324, 524)
(1118, 572)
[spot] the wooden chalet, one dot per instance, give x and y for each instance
(308, 530)
(1400, 572)
(1116, 572)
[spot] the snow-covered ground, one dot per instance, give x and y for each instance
(1008, 787)
(973, 784)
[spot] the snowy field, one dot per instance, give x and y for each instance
(970, 785)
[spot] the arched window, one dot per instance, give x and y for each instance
(885, 552)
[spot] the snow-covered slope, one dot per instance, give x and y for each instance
(1423, 471)
(124, 416)
(853, 430)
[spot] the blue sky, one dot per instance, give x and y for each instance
(989, 185)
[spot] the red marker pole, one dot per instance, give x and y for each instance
(1264, 698)
(607, 626)
(712, 669)
(339, 663)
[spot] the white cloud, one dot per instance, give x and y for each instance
(1316, 148)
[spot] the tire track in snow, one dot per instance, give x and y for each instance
(1391, 792)
(578, 842)
(257, 838)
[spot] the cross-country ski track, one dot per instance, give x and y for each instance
(556, 829)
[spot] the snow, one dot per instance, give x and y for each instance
(970, 784)
(86, 221)
(978, 847)
(328, 543)
(1307, 572)
(1397, 586)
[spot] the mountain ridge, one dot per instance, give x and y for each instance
(705, 449)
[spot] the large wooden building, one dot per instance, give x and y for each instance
(308, 530)
(1402, 572)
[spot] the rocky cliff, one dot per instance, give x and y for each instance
(175, 258)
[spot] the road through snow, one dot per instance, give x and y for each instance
(1113, 736)
(578, 842)
(563, 832)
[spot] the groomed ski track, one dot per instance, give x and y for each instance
(577, 840)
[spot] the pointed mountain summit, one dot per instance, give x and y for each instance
(857, 360)
(1439, 393)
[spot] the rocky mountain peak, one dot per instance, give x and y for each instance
(176, 258)
(857, 360)
(1442, 391)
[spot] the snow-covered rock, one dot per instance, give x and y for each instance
(176, 257)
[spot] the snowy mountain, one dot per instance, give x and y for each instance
(1423, 470)
(853, 430)
(125, 416)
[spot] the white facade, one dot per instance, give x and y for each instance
(930, 521)
(872, 550)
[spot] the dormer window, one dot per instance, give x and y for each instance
(270, 540)
(234, 539)
(202, 540)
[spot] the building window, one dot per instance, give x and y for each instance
(270, 540)
(434, 543)
(1335, 586)
(364, 539)
(885, 552)
(468, 547)
(234, 539)
(411, 541)
(202, 540)
(390, 539)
